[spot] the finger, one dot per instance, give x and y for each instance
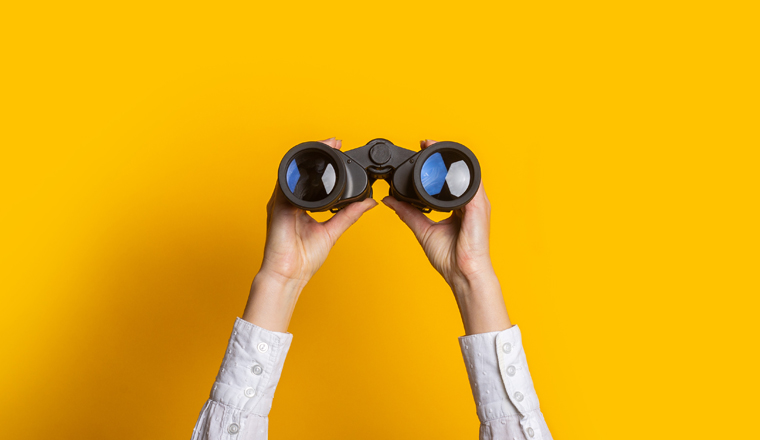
(271, 202)
(279, 204)
(271, 198)
(334, 143)
(479, 202)
(476, 215)
(346, 217)
(408, 214)
(426, 143)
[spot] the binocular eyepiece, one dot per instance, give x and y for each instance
(442, 177)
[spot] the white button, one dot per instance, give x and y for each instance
(511, 370)
(249, 392)
(530, 432)
(257, 369)
(519, 397)
(507, 347)
(262, 347)
(233, 428)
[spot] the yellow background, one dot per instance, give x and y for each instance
(140, 143)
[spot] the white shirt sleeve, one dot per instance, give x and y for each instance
(241, 397)
(506, 402)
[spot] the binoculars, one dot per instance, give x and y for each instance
(315, 177)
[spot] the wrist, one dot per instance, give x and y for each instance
(481, 304)
(272, 301)
(276, 284)
(484, 282)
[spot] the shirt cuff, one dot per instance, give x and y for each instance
(500, 380)
(251, 368)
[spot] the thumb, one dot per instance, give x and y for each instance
(414, 218)
(346, 217)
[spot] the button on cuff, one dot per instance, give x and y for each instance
(241, 382)
(532, 425)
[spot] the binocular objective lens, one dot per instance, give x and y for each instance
(445, 175)
(311, 176)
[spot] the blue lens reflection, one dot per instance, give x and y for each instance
(433, 174)
(293, 175)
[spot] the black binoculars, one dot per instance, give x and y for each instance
(442, 177)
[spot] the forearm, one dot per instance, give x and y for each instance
(481, 304)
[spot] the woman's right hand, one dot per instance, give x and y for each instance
(295, 248)
(458, 248)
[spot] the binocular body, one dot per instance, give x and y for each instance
(316, 177)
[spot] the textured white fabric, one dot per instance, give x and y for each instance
(505, 400)
(241, 397)
(240, 400)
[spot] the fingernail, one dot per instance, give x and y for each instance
(339, 143)
(422, 143)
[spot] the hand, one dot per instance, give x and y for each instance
(296, 246)
(458, 249)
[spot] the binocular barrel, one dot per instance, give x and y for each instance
(442, 177)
